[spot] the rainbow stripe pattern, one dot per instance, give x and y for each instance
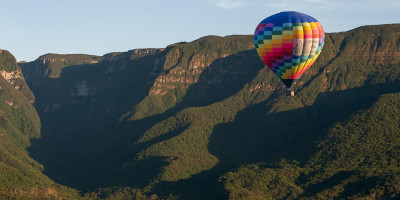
(289, 43)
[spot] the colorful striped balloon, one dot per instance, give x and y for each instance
(289, 43)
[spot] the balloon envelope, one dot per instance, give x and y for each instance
(289, 43)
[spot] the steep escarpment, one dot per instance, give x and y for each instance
(209, 62)
(85, 102)
(206, 120)
(21, 177)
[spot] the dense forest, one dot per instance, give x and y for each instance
(204, 120)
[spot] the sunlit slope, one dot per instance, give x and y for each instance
(204, 119)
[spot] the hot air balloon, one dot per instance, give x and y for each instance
(289, 43)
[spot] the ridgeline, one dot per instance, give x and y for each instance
(204, 120)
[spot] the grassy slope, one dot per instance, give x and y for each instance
(231, 134)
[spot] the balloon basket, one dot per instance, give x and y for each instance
(290, 92)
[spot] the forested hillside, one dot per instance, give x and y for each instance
(21, 177)
(206, 120)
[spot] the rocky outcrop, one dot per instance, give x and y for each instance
(132, 54)
(184, 63)
(12, 77)
(81, 89)
(12, 74)
(191, 103)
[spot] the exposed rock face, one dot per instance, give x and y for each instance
(92, 76)
(19, 125)
(81, 89)
(166, 107)
(12, 77)
(212, 62)
(132, 54)
(180, 76)
(186, 62)
(12, 74)
(53, 107)
(51, 65)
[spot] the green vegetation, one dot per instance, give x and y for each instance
(354, 158)
(21, 177)
(205, 120)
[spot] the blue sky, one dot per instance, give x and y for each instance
(30, 28)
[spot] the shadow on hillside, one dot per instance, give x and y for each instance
(336, 179)
(85, 148)
(255, 136)
(77, 109)
(222, 79)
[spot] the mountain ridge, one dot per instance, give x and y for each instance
(205, 120)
